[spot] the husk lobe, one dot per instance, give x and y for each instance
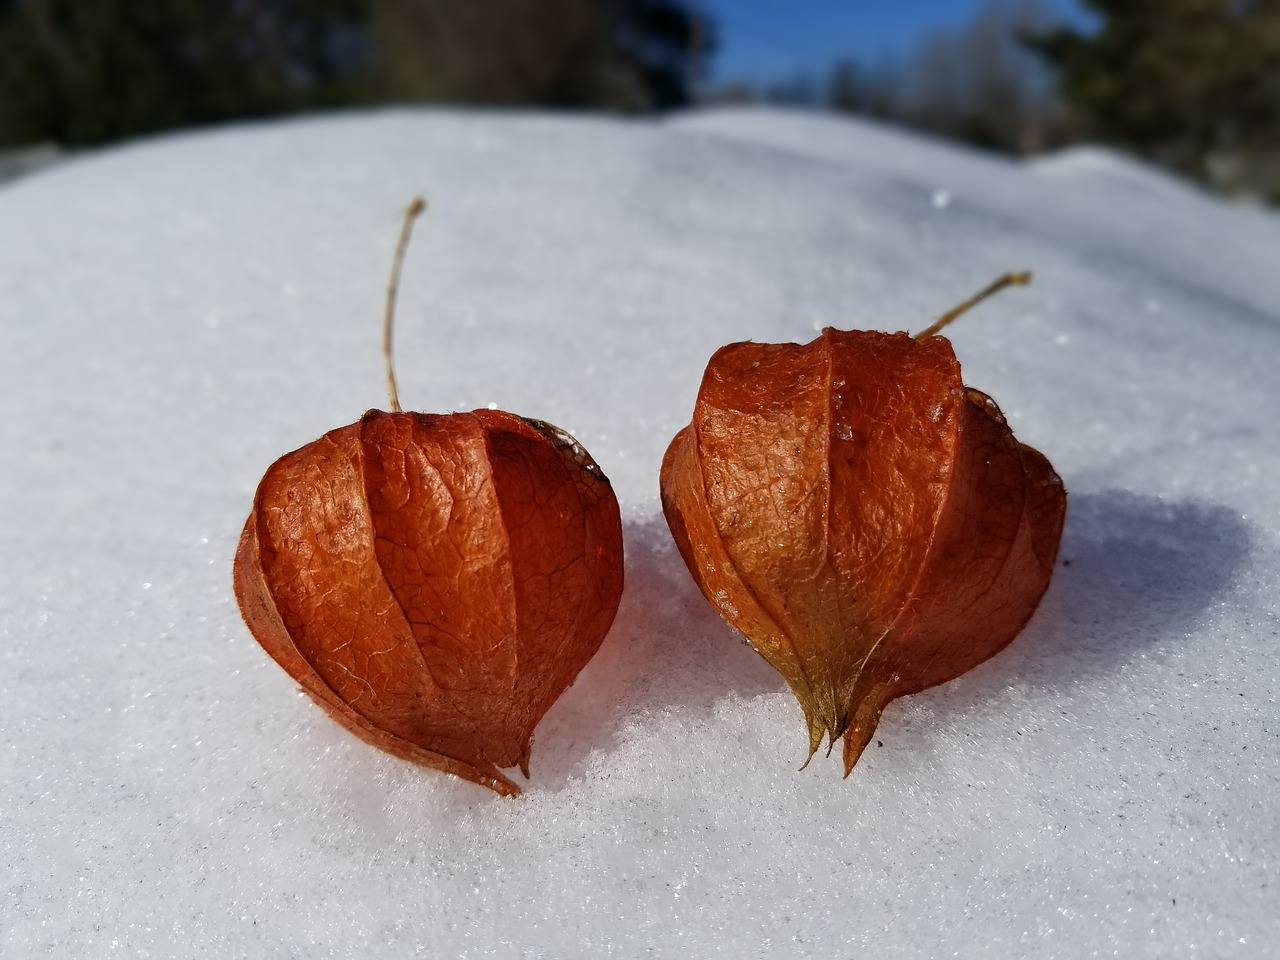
(434, 582)
(870, 524)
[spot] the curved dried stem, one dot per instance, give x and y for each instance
(393, 286)
(1020, 279)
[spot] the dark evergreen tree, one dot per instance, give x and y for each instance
(667, 44)
(1182, 81)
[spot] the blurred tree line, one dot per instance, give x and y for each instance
(88, 71)
(979, 83)
(1193, 85)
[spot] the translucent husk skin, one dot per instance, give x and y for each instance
(868, 522)
(434, 582)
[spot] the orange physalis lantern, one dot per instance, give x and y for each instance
(868, 522)
(434, 581)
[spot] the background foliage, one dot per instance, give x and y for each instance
(88, 71)
(1191, 84)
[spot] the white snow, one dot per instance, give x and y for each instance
(179, 312)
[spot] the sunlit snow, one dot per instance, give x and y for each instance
(176, 313)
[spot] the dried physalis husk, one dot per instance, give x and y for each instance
(434, 582)
(867, 521)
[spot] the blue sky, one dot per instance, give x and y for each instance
(764, 40)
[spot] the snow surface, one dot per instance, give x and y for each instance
(179, 312)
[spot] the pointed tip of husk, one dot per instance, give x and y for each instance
(501, 786)
(816, 728)
(855, 741)
(524, 759)
(860, 731)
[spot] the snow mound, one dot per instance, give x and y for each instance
(1102, 166)
(181, 311)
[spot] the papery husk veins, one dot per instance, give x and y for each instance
(434, 582)
(865, 520)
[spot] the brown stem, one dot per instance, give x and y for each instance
(410, 214)
(1008, 280)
